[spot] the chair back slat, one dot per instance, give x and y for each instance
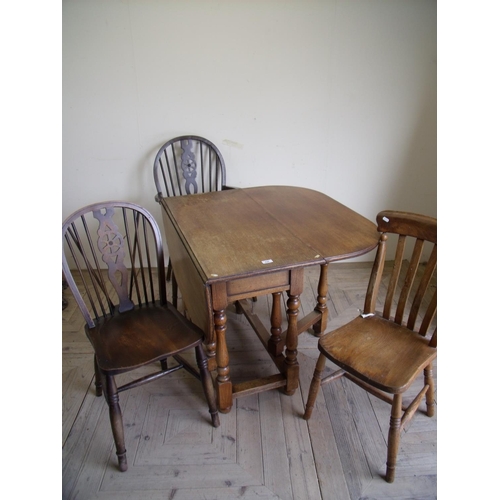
(409, 280)
(376, 276)
(94, 299)
(95, 276)
(111, 243)
(163, 172)
(429, 316)
(202, 170)
(175, 170)
(408, 284)
(396, 271)
(422, 289)
(188, 165)
(134, 250)
(113, 259)
(147, 269)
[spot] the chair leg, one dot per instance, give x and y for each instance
(169, 270)
(115, 416)
(429, 396)
(239, 309)
(164, 364)
(315, 385)
(174, 290)
(98, 379)
(208, 386)
(394, 435)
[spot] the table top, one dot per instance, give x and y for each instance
(250, 231)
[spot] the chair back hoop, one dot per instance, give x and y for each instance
(407, 275)
(112, 258)
(188, 164)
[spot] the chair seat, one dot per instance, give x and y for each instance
(380, 352)
(141, 336)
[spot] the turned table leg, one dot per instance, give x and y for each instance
(223, 382)
(291, 363)
(274, 342)
(320, 327)
(292, 336)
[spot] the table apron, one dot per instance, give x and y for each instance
(225, 292)
(254, 286)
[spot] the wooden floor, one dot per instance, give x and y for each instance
(263, 448)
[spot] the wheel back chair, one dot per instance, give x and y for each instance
(384, 352)
(113, 263)
(187, 164)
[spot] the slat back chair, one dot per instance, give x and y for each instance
(395, 337)
(113, 263)
(187, 164)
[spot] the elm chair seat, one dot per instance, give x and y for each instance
(385, 351)
(114, 266)
(115, 338)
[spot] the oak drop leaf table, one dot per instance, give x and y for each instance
(232, 245)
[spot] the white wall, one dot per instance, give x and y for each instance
(338, 96)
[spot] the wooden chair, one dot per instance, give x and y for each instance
(187, 165)
(113, 263)
(382, 352)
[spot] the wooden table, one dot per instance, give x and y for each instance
(237, 244)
